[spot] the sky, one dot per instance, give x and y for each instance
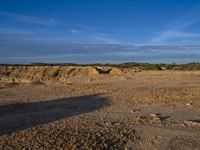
(34, 29)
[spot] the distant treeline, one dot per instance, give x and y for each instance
(146, 66)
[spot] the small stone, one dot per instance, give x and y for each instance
(189, 104)
(153, 115)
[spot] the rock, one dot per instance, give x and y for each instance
(154, 118)
(189, 104)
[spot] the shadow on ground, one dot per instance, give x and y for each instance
(162, 117)
(20, 116)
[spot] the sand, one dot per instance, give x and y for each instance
(123, 110)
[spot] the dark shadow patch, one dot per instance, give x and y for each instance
(195, 120)
(101, 71)
(162, 117)
(19, 116)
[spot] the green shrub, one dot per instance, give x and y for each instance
(153, 67)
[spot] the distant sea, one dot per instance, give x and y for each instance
(97, 53)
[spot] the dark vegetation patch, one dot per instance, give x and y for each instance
(145, 66)
(55, 74)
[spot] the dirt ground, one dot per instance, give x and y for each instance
(144, 110)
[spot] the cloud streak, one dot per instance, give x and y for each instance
(177, 29)
(170, 35)
(30, 19)
(15, 31)
(103, 39)
(52, 26)
(95, 35)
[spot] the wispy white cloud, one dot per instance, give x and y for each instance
(56, 27)
(187, 20)
(5, 30)
(74, 31)
(103, 39)
(171, 35)
(176, 30)
(94, 35)
(29, 19)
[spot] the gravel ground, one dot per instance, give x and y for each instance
(145, 110)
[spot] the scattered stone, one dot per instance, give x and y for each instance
(189, 104)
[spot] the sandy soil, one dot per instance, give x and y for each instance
(143, 110)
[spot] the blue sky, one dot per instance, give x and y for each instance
(27, 23)
(101, 21)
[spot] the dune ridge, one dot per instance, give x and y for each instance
(25, 74)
